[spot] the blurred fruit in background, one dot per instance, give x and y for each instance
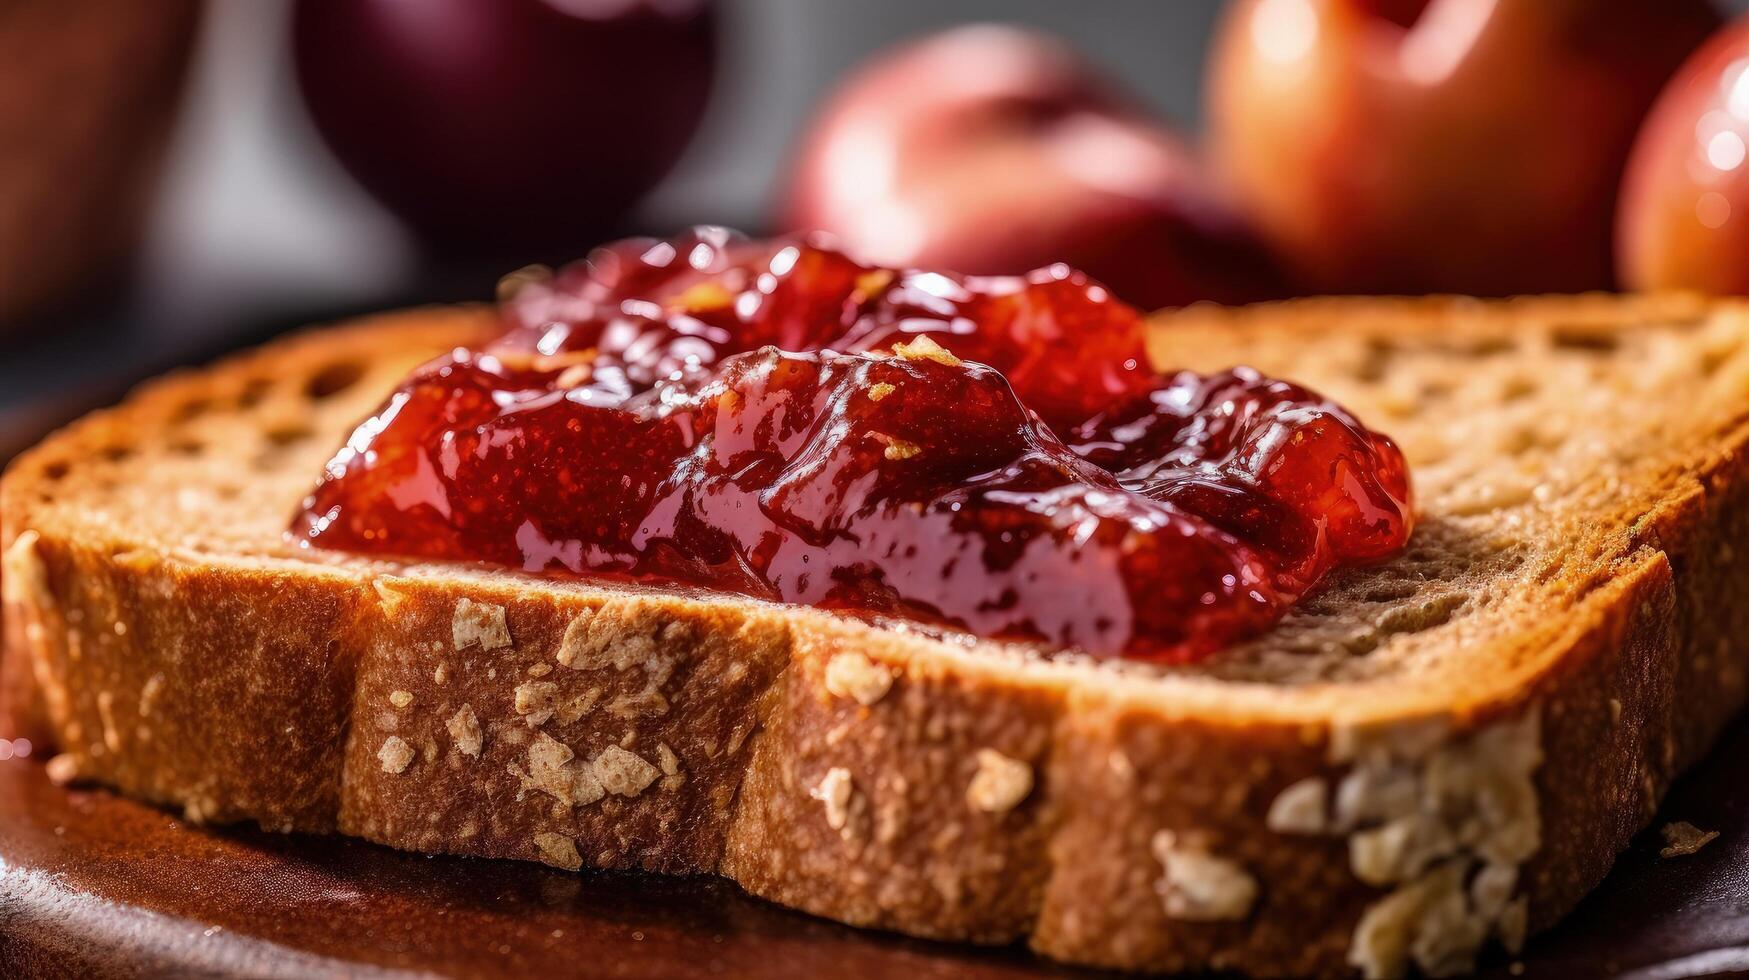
(1471, 146)
(1684, 212)
(88, 95)
(506, 125)
(993, 149)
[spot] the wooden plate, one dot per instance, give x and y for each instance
(92, 885)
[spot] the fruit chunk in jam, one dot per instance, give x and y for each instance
(774, 419)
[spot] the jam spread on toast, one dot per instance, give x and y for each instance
(775, 419)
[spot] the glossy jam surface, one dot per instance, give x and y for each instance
(774, 419)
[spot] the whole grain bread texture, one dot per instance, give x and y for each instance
(1422, 764)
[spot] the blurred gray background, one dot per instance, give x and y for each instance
(256, 230)
(255, 216)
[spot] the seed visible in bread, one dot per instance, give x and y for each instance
(1198, 886)
(536, 701)
(479, 624)
(999, 784)
(834, 793)
(464, 728)
(624, 773)
(558, 851)
(852, 675)
(1301, 808)
(395, 755)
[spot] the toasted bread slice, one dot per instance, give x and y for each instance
(1426, 759)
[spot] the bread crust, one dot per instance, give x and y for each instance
(829, 764)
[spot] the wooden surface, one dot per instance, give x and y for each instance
(92, 885)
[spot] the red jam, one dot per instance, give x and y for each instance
(775, 419)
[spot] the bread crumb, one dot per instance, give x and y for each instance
(464, 727)
(540, 669)
(558, 851)
(395, 755)
(441, 674)
(834, 792)
(400, 699)
(536, 701)
(924, 348)
(1301, 808)
(63, 769)
(479, 624)
(853, 675)
(1682, 838)
(1201, 887)
(624, 773)
(999, 784)
(880, 390)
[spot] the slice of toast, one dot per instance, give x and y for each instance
(1427, 759)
